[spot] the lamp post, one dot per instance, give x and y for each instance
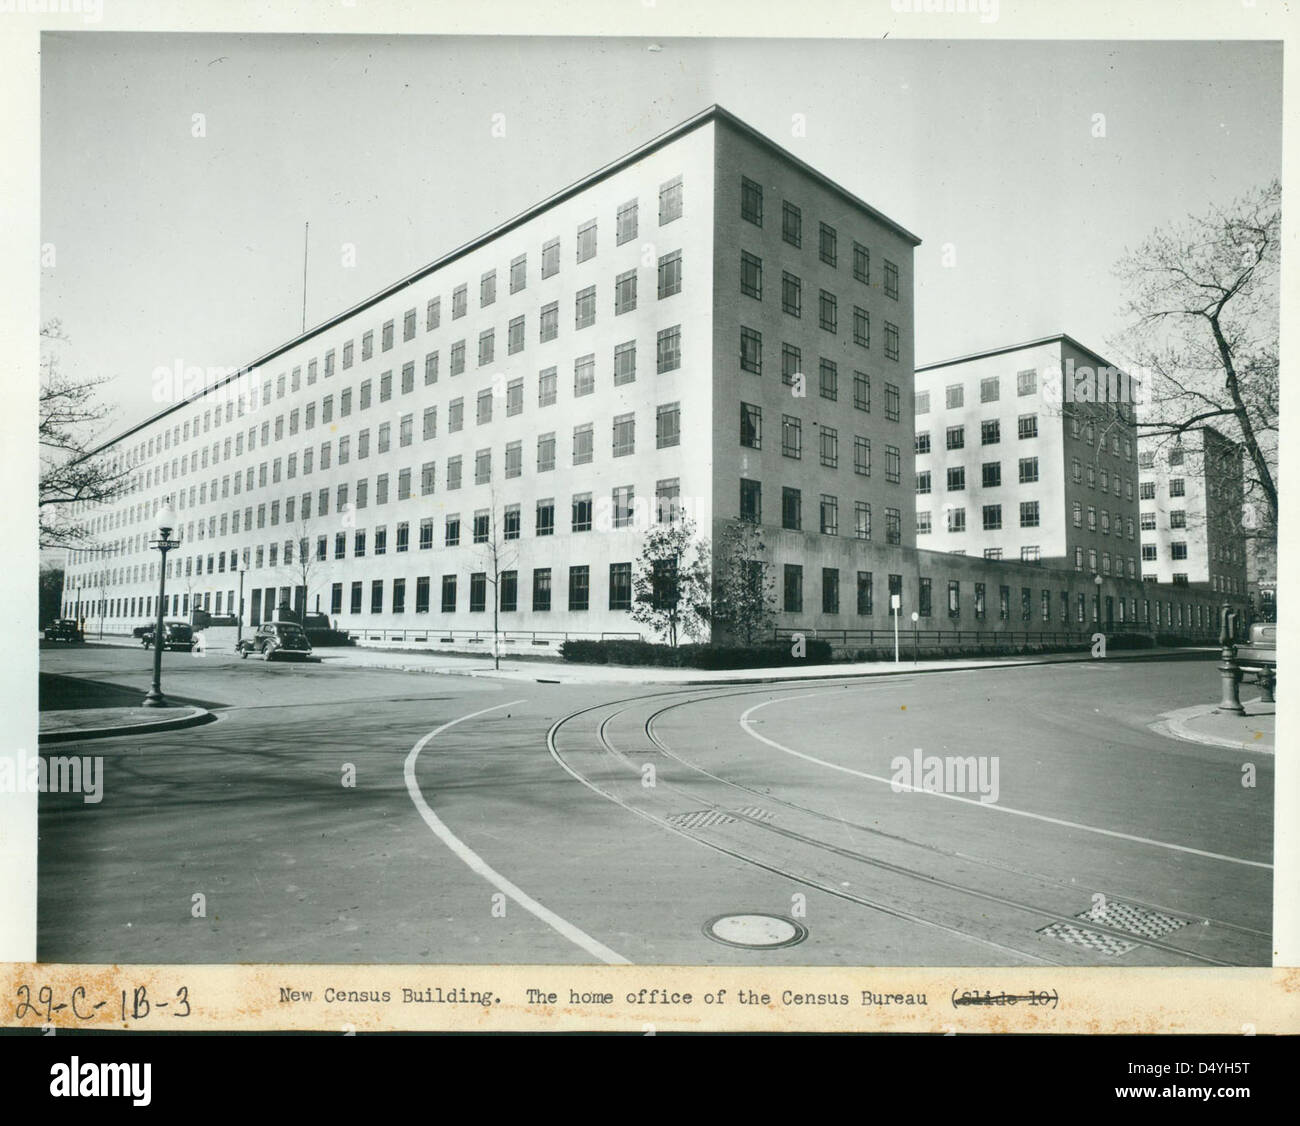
(163, 543)
(1097, 602)
(239, 621)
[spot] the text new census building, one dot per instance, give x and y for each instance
(706, 324)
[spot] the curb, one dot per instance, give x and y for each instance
(1173, 725)
(197, 717)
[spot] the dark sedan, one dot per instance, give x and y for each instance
(63, 629)
(176, 635)
(275, 640)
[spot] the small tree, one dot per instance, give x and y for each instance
(305, 565)
(498, 557)
(744, 592)
(670, 590)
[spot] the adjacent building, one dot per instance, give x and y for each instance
(1192, 506)
(1029, 452)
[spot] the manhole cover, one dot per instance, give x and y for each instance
(1135, 920)
(755, 931)
(704, 818)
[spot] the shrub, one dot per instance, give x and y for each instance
(694, 656)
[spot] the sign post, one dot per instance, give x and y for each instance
(896, 604)
(916, 640)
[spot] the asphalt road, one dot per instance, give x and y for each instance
(496, 821)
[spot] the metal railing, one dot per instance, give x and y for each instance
(435, 637)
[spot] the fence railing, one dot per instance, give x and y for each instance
(484, 637)
(910, 639)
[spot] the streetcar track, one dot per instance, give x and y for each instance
(850, 854)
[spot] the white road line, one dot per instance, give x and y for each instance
(993, 806)
(478, 865)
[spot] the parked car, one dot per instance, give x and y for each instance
(176, 635)
(140, 631)
(274, 640)
(63, 629)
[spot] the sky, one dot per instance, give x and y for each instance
(174, 242)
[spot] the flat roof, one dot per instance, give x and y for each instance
(712, 113)
(1059, 338)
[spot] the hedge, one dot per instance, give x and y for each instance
(694, 656)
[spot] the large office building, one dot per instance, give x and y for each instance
(1191, 493)
(1029, 452)
(705, 325)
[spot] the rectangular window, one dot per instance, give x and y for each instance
(667, 425)
(791, 362)
(791, 509)
(791, 224)
(956, 437)
(426, 534)
(793, 588)
(894, 526)
(547, 386)
(830, 447)
(668, 493)
(751, 426)
(827, 311)
(1027, 426)
(625, 224)
(670, 274)
(587, 241)
(584, 307)
(791, 436)
(550, 258)
(546, 452)
(579, 588)
(861, 327)
(451, 531)
(622, 503)
(751, 201)
(515, 335)
(550, 321)
(545, 517)
(582, 444)
(624, 363)
(1026, 382)
(580, 513)
(624, 293)
(670, 200)
(891, 280)
(990, 432)
(991, 474)
(891, 341)
(1028, 470)
(791, 295)
(458, 357)
(830, 590)
(668, 349)
(828, 379)
(541, 588)
(862, 394)
(751, 500)
(448, 594)
(486, 346)
(862, 456)
(751, 275)
(624, 434)
(862, 520)
(826, 242)
(829, 509)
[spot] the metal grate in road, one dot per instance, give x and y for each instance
(1105, 944)
(1136, 920)
(705, 818)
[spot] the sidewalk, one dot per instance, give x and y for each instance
(560, 672)
(1205, 724)
(75, 708)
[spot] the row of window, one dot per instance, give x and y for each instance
(990, 474)
(990, 391)
(751, 211)
(990, 434)
(992, 516)
(828, 512)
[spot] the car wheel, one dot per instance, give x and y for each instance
(243, 653)
(267, 653)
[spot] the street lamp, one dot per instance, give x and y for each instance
(239, 621)
(1097, 607)
(163, 543)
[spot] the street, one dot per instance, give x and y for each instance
(337, 814)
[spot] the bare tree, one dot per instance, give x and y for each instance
(1203, 300)
(71, 416)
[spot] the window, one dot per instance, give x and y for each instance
(547, 385)
(546, 452)
(624, 434)
(830, 447)
(791, 224)
(550, 258)
(1177, 487)
(486, 346)
(579, 588)
(587, 241)
(620, 586)
(861, 264)
(511, 522)
(1147, 490)
(864, 593)
(427, 478)
(1148, 553)
(829, 509)
(924, 601)
(1029, 514)
(751, 426)
(482, 467)
(862, 456)
(583, 445)
(830, 590)
(826, 244)
(1092, 518)
(1148, 520)
(624, 294)
(893, 465)
(1026, 382)
(515, 336)
(791, 360)
(751, 275)
(990, 389)
(957, 519)
(791, 509)
(1178, 550)
(991, 474)
(670, 274)
(514, 459)
(891, 341)
(584, 375)
(667, 498)
(483, 407)
(482, 526)
(550, 321)
(792, 588)
(545, 517)
(1027, 426)
(541, 588)
(827, 311)
(791, 436)
(625, 223)
(923, 482)
(751, 201)
(667, 425)
(580, 513)
(1028, 470)
(954, 395)
(451, 531)
(751, 501)
(828, 379)
(921, 443)
(448, 594)
(751, 351)
(956, 437)
(458, 357)
(670, 200)
(668, 349)
(584, 307)
(791, 295)
(622, 506)
(862, 520)
(519, 272)
(891, 280)
(992, 517)
(862, 395)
